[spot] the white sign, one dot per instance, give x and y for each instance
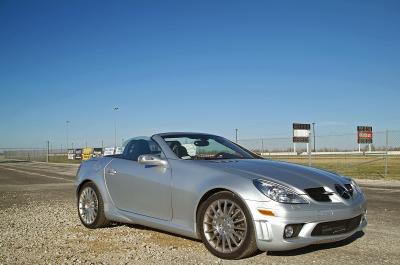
(301, 133)
(108, 151)
(71, 154)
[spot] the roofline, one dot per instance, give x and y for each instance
(182, 133)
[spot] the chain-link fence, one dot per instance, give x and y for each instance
(339, 153)
(36, 154)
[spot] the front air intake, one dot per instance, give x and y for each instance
(336, 227)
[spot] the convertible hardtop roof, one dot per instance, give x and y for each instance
(175, 134)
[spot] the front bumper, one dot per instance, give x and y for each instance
(270, 229)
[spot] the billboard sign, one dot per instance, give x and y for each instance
(71, 154)
(78, 154)
(364, 134)
(87, 153)
(108, 151)
(97, 152)
(301, 133)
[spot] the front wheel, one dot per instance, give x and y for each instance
(226, 227)
(91, 207)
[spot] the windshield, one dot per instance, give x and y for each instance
(205, 147)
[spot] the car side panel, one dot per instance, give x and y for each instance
(191, 180)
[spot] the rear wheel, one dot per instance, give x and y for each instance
(91, 207)
(226, 227)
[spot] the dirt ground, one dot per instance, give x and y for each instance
(39, 225)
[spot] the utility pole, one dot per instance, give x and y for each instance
(313, 133)
(386, 152)
(67, 125)
(236, 133)
(48, 151)
(115, 127)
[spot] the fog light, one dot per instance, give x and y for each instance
(289, 231)
(292, 230)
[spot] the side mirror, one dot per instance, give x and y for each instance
(152, 160)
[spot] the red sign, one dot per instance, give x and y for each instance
(365, 135)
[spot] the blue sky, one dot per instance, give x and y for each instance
(209, 66)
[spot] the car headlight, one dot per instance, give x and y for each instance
(278, 192)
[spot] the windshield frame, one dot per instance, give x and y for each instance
(245, 154)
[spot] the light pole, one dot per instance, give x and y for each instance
(313, 133)
(236, 132)
(115, 127)
(67, 125)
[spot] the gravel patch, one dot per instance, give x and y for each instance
(39, 224)
(50, 233)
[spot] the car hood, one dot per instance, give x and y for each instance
(297, 176)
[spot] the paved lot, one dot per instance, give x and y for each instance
(39, 225)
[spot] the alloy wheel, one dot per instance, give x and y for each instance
(88, 205)
(224, 225)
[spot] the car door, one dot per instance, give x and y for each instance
(138, 188)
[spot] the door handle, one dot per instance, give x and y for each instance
(112, 171)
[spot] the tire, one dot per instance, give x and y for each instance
(91, 207)
(226, 227)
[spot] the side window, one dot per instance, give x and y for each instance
(136, 148)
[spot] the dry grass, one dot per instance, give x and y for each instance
(369, 167)
(357, 166)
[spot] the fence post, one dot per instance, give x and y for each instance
(48, 151)
(386, 152)
(262, 146)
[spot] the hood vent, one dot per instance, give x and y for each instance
(319, 194)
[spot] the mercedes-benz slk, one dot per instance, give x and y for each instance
(206, 187)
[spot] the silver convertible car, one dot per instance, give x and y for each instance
(206, 187)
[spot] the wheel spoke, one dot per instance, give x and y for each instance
(214, 211)
(211, 230)
(230, 209)
(207, 222)
(228, 240)
(213, 237)
(225, 207)
(219, 240)
(236, 213)
(233, 239)
(238, 221)
(210, 216)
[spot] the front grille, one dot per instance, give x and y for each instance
(336, 227)
(343, 192)
(319, 194)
